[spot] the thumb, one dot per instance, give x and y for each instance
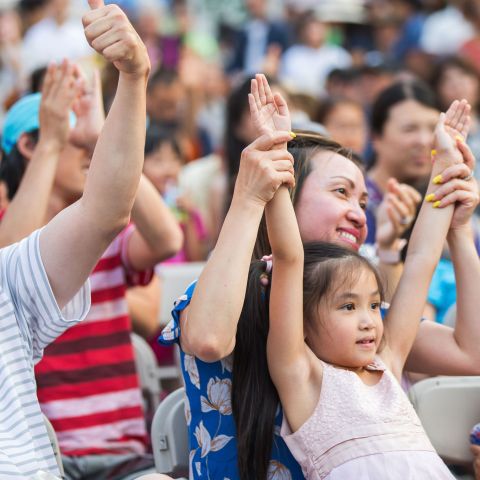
(94, 4)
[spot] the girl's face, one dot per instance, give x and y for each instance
(162, 167)
(348, 329)
(332, 203)
(403, 148)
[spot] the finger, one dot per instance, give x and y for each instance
(394, 218)
(457, 112)
(261, 89)
(452, 186)
(467, 155)
(268, 140)
(281, 104)
(94, 4)
(409, 197)
(399, 207)
(268, 91)
(117, 52)
(48, 80)
(97, 28)
(96, 13)
(256, 95)
(286, 178)
(106, 40)
(459, 170)
(464, 197)
(253, 105)
(283, 166)
(451, 112)
(277, 155)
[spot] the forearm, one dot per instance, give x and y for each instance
(214, 311)
(109, 198)
(390, 275)
(467, 275)
(143, 306)
(194, 246)
(161, 236)
(28, 209)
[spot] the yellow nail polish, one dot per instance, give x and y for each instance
(459, 138)
(293, 134)
(436, 204)
(433, 152)
(437, 180)
(430, 197)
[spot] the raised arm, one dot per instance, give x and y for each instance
(209, 324)
(438, 349)
(79, 234)
(428, 236)
(58, 95)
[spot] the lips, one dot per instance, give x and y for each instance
(366, 342)
(350, 235)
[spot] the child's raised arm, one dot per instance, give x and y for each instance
(426, 244)
(288, 359)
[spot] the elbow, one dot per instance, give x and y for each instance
(168, 245)
(210, 348)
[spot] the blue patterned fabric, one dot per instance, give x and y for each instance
(208, 410)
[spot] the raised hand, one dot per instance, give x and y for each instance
(269, 112)
(396, 213)
(88, 107)
(453, 123)
(110, 33)
(59, 91)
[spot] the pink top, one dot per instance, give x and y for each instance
(353, 420)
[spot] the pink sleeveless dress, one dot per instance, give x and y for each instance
(361, 432)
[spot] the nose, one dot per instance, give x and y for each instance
(366, 322)
(356, 214)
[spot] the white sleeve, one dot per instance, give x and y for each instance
(39, 317)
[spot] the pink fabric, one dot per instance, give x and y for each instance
(353, 420)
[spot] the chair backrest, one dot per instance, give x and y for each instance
(170, 435)
(175, 279)
(147, 371)
(54, 442)
(448, 408)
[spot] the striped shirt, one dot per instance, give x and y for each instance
(87, 381)
(29, 320)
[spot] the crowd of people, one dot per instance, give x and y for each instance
(333, 205)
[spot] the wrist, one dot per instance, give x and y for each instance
(460, 233)
(392, 254)
(49, 145)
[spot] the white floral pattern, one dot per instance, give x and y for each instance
(208, 412)
(219, 396)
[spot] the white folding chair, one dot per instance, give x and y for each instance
(170, 435)
(175, 278)
(448, 408)
(54, 442)
(147, 371)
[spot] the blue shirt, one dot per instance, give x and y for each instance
(208, 410)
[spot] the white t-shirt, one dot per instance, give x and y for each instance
(305, 69)
(30, 319)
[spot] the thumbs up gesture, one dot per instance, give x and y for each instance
(110, 33)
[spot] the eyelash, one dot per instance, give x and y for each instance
(351, 306)
(344, 191)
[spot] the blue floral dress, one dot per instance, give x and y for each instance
(208, 410)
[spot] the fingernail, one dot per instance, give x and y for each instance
(459, 138)
(437, 180)
(436, 204)
(430, 197)
(293, 134)
(433, 152)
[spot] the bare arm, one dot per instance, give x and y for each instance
(426, 243)
(24, 216)
(157, 235)
(209, 324)
(79, 234)
(144, 306)
(440, 350)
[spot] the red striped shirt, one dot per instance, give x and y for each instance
(87, 377)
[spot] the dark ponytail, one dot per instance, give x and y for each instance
(254, 397)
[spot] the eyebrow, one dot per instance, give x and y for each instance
(351, 295)
(350, 182)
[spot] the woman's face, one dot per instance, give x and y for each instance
(347, 125)
(403, 147)
(332, 203)
(457, 83)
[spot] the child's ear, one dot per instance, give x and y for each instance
(26, 145)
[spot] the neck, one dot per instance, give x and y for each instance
(380, 177)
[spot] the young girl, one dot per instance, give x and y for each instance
(335, 363)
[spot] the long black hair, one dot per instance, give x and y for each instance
(254, 397)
